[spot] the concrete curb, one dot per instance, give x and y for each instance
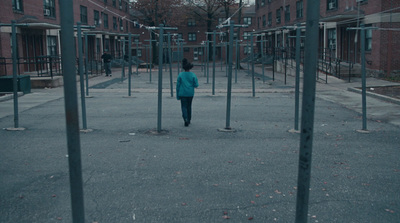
(375, 95)
(9, 96)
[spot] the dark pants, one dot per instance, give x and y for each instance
(107, 68)
(186, 105)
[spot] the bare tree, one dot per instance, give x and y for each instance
(156, 12)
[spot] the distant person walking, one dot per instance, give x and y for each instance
(107, 62)
(185, 85)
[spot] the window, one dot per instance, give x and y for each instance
(246, 35)
(278, 16)
(264, 21)
(121, 24)
(49, 8)
(247, 20)
(191, 22)
(368, 39)
(126, 6)
(115, 25)
(287, 13)
(126, 25)
(105, 20)
(299, 9)
(107, 45)
(192, 37)
(114, 3)
(96, 16)
(105, 1)
(262, 2)
(332, 39)
(269, 18)
(139, 53)
(120, 4)
(247, 50)
(17, 5)
(332, 4)
(83, 14)
(52, 45)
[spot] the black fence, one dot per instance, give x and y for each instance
(328, 63)
(45, 66)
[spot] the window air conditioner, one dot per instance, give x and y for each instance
(46, 12)
(122, 28)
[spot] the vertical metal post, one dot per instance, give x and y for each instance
(236, 60)
(308, 106)
(86, 63)
(160, 64)
(363, 73)
(229, 91)
(171, 83)
(214, 49)
(178, 56)
(297, 87)
(151, 55)
(273, 63)
(123, 61)
(205, 58)
(71, 110)
(226, 59)
(285, 62)
(208, 58)
(81, 78)
(252, 64)
(137, 57)
(15, 77)
(130, 64)
(262, 57)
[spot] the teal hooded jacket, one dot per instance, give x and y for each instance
(185, 84)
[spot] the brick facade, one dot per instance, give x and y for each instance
(338, 15)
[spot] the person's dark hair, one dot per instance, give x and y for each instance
(186, 65)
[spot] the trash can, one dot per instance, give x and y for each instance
(23, 83)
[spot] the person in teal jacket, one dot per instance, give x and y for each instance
(185, 85)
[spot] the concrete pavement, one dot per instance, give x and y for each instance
(197, 173)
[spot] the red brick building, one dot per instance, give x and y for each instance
(38, 31)
(336, 16)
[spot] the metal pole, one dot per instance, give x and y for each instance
(297, 87)
(262, 58)
(252, 65)
(123, 61)
(171, 83)
(160, 64)
(205, 58)
(130, 64)
(229, 90)
(151, 55)
(137, 57)
(86, 63)
(363, 73)
(71, 110)
(208, 58)
(236, 60)
(273, 63)
(15, 77)
(285, 62)
(214, 49)
(308, 106)
(226, 60)
(81, 78)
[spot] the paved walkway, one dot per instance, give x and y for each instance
(197, 173)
